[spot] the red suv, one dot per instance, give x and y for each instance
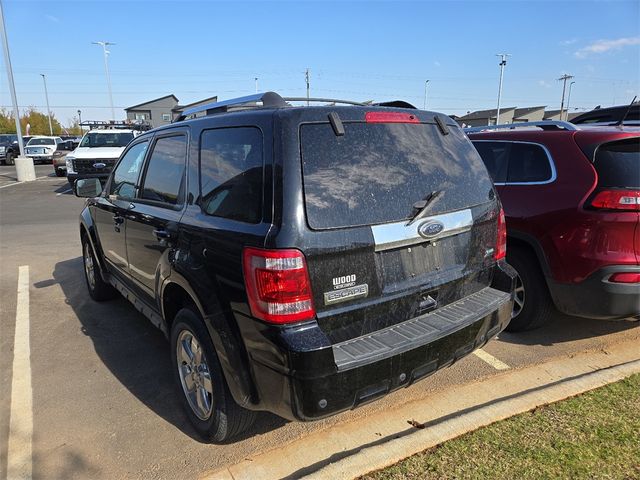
(571, 197)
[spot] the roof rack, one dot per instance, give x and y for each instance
(117, 125)
(264, 100)
(544, 125)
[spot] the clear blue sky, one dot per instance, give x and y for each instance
(356, 50)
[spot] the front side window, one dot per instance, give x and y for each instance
(231, 167)
(125, 176)
(164, 178)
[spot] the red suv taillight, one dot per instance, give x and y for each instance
(278, 286)
(501, 240)
(625, 277)
(617, 200)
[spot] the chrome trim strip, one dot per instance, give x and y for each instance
(398, 234)
(552, 165)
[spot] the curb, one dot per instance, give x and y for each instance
(375, 442)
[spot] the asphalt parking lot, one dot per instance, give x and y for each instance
(104, 402)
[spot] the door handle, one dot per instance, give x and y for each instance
(162, 234)
(118, 220)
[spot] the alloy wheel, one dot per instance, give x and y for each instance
(89, 266)
(519, 297)
(194, 373)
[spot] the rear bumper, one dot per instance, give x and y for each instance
(597, 297)
(301, 376)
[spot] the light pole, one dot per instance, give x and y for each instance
(46, 96)
(426, 82)
(502, 64)
(80, 120)
(568, 100)
(106, 52)
(24, 165)
(256, 80)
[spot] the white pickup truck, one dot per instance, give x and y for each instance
(97, 153)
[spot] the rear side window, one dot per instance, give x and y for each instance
(231, 173)
(528, 163)
(164, 178)
(375, 173)
(618, 164)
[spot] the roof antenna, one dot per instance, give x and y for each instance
(621, 121)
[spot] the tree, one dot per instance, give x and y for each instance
(39, 122)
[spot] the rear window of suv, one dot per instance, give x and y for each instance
(618, 164)
(375, 173)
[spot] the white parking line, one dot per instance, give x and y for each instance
(19, 463)
(20, 183)
(491, 360)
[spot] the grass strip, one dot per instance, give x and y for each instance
(595, 435)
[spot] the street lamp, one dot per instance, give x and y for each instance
(256, 79)
(426, 82)
(24, 165)
(568, 100)
(46, 96)
(106, 52)
(502, 64)
(80, 120)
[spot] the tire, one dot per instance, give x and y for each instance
(60, 172)
(533, 306)
(203, 389)
(10, 158)
(99, 290)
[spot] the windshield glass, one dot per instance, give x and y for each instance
(115, 139)
(376, 173)
(41, 141)
(8, 138)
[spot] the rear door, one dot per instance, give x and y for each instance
(371, 263)
(152, 219)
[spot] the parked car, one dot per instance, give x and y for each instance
(572, 202)
(302, 260)
(630, 114)
(9, 148)
(42, 148)
(60, 157)
(97, 153)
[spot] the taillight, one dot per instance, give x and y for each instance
(501, 240)
(278, 286)
(390, 117)
(625, 277)
(617, 200)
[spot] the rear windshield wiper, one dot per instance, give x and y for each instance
(423, 205)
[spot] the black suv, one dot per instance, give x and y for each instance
(302, 260)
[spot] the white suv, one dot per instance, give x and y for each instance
(97, 153)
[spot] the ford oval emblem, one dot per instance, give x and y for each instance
(430, 228)
(99, 165)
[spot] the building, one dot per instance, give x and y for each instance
(528, 114)
(156, 112)
(161, 111)
(487, 117)
(555, 115)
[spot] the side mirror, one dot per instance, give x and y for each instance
(87, 187)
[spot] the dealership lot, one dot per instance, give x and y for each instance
(104, 401)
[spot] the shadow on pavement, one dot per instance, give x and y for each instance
(65, 188)
(564, 328)
(134, 350)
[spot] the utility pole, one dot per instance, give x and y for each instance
(106, 52)
(308, 85)
(24, 165)
(568, 100)
(46, 96)
(564, 79)
(502, 64)
(256, 79)
(426, 82)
